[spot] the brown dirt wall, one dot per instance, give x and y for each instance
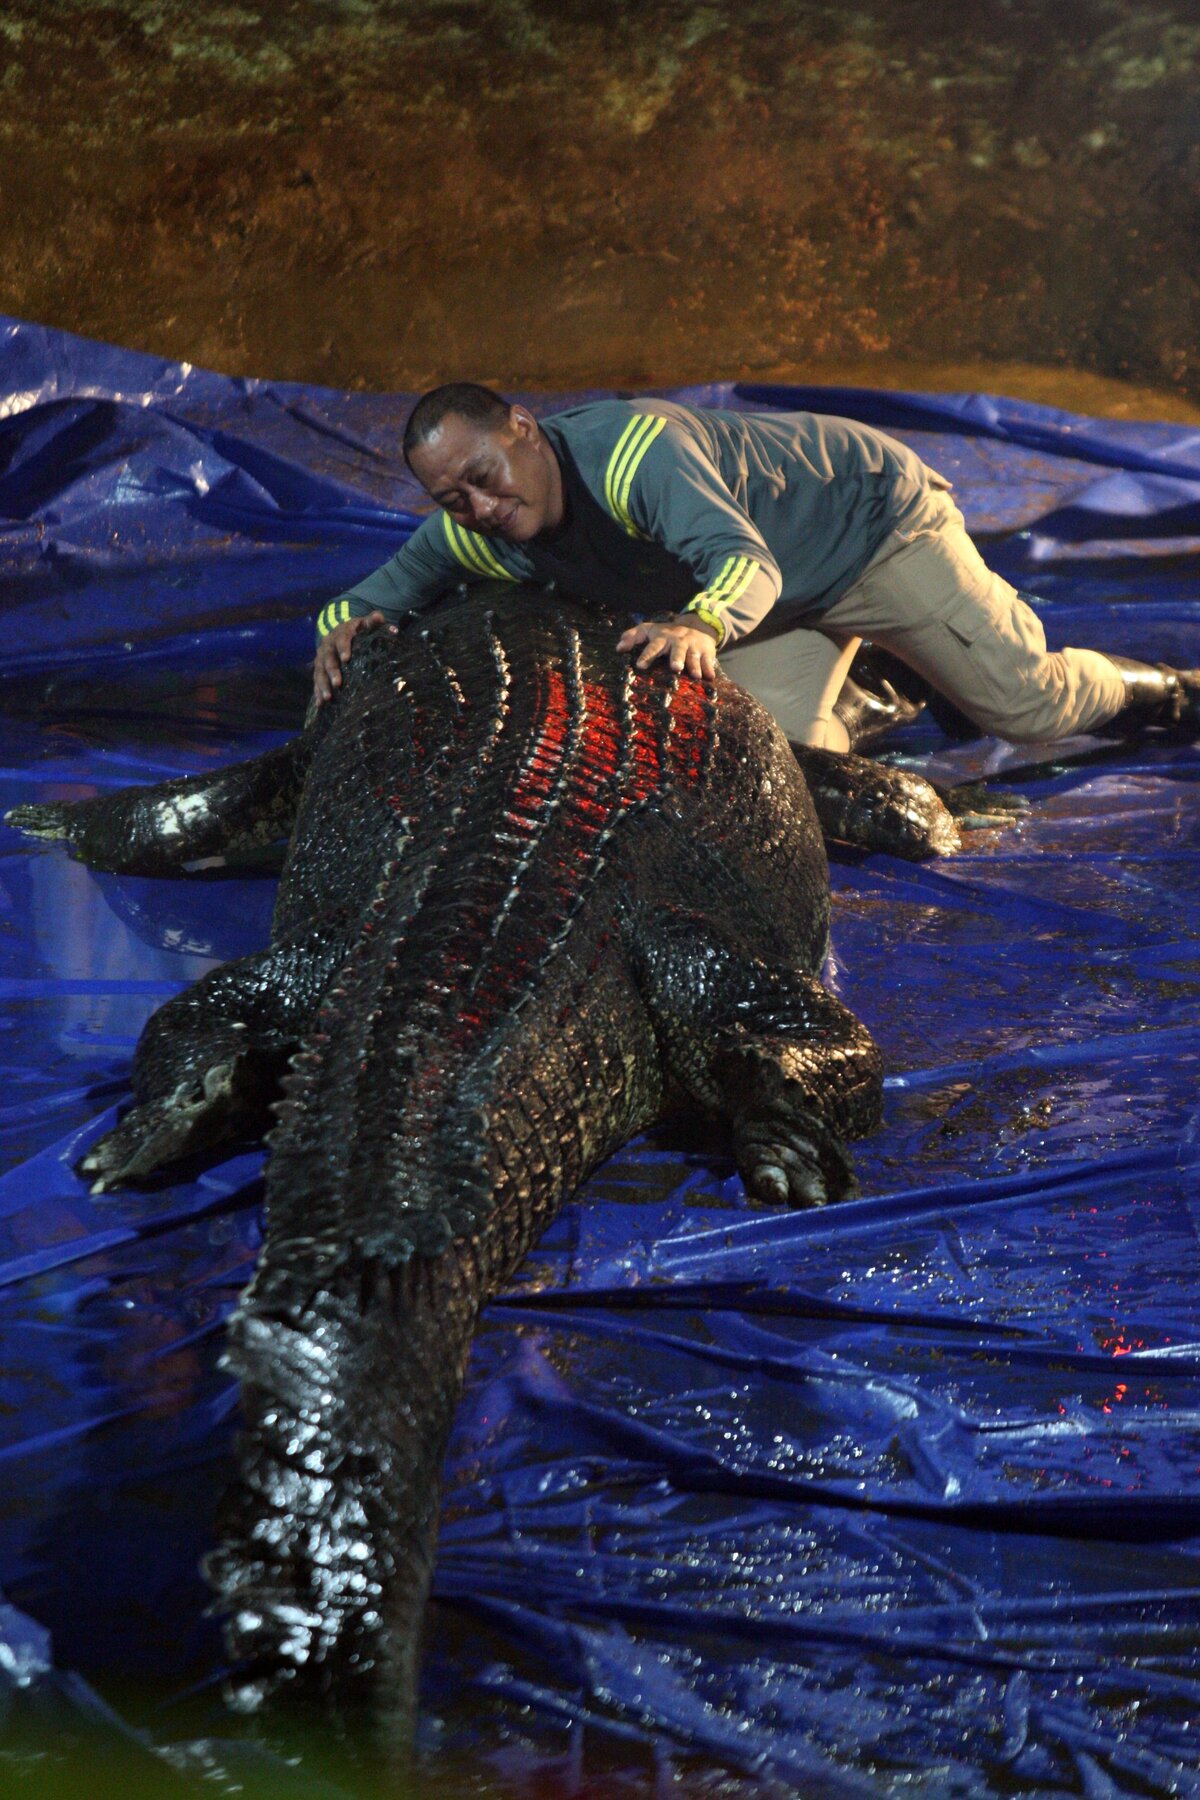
(387, 193)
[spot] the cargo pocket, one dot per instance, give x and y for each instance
(919, 584)
(964, 618)
(955, 640)
(999, 658)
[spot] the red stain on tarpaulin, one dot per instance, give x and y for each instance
(1118, 1344)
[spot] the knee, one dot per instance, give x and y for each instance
(1033, 726)
(822, 734)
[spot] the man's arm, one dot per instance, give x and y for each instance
(666, 485)
(433, 561)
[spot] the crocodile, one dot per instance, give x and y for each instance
(533, 900)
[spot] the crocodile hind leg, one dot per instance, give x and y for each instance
(208, 1064)
(156, 829)
(790, 1068)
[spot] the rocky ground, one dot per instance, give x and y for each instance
(555, 193)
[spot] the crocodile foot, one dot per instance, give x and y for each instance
(52, 819)
(196, 1116)
(977, 807)
(791, 1159)
(98, 830)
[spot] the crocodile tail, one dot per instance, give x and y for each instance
(425, 1138)
(349, 1384)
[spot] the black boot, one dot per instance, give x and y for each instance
(868, 717)
(1155, 695)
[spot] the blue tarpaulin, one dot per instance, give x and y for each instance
(898, 1499)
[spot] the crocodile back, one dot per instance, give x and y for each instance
(516, 793)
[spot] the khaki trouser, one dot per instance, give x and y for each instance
(929, 598)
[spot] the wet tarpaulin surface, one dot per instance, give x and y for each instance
(897, 1499)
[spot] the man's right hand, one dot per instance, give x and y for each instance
(333, 653)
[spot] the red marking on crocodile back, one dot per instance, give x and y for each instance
(542, 767)
(672, 733)
(593, 751)
(692, 731)
(601, 754)
(645, 725)
(555, 759)
(492, 876)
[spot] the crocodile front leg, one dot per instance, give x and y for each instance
(209, 1063)
(155, 830)
(878, 808)
(790, 1068)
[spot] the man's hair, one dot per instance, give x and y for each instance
(466, 399)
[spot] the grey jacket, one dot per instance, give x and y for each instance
(732, 516)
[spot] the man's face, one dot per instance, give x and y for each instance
(503, 481)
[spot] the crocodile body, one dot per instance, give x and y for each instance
(532, 900)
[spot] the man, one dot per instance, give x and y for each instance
(778, 539)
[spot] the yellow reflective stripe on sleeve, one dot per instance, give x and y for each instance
(460, 546)
(636, 453)
(475, 547)
(473, 551)
(491, 561)
(336, 613)
(731, 583)
(718, 591)
(632, 445)
(742, 583)
(710, 618)
(637, 423)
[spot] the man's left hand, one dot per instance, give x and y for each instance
(686, 644)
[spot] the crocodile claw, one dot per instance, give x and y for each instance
(48, 820)
(792, 1161)
(196, 1116)
(90, 827)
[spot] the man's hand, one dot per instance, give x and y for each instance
(333, 653)
(686, 644)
